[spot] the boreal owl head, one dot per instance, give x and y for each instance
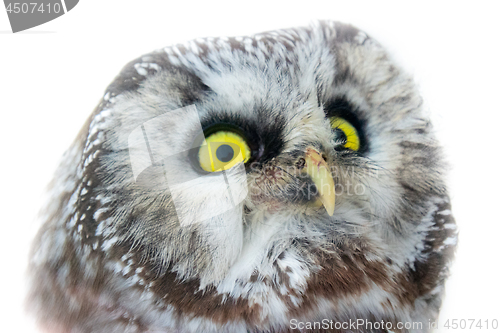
(249, 184)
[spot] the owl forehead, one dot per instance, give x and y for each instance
(276, 81)
(285, 119)
(270, 99)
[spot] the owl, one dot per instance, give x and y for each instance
(285, 182)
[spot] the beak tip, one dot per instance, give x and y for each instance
(329, 209)
(329, 204)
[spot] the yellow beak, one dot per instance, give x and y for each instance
(319, 172)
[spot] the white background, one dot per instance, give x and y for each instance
(52, 76)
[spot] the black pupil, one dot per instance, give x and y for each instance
(224, 153)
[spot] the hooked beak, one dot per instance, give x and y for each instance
(319, 172)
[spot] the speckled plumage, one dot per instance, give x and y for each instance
(112, 257)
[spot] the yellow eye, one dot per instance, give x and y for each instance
(222, 150)
(351, 135)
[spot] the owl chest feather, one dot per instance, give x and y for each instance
(267, 285)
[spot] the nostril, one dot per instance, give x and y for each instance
(301, 163)
(324, 157)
